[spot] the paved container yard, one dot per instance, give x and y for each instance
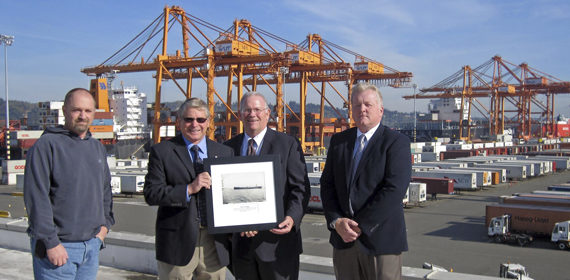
(448, 232)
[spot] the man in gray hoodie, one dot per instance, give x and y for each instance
(67, 193)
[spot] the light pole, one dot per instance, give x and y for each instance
(284, 71)
(414, 134)
(7, 41)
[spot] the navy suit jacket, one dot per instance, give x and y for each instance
(170, 170)
(293, 188)
(379, 185)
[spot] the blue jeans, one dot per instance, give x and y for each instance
(83, 261)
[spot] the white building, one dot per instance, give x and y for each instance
(129, 109)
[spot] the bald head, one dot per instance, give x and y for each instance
(79, 111)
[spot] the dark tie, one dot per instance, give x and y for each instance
(251, 147)
(201, 195)
(356, 159)
(353, 166)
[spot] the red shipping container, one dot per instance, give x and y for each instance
(103, 115)
(436, 185)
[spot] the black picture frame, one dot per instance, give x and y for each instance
(244, 194)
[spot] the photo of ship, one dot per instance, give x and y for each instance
(243, 188)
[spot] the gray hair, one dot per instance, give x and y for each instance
(74, 91)
(250, 94)
(361, 87)
(195, 103)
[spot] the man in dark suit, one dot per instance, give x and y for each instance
(366, 175)
(175, 182)
(272, 254)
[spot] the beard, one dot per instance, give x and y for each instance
(79, 127)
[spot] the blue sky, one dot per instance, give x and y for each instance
(431, 39)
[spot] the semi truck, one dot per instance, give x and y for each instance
(512, 222)
(513, 271)
(500, 231)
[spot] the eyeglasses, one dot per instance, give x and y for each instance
(199, 120)
(254, 110)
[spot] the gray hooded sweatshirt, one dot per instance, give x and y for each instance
(67, 188)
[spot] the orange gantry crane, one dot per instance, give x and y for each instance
(516, 92)
(248, 57)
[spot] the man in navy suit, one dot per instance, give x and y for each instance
(272, 254)
(366, 175)
(175, 182)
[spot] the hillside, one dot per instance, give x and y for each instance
(19, 109)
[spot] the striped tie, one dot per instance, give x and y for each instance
(201, 195)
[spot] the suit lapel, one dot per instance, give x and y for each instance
(236, 144)
(182, 151)
(212, 153)
(346, 157)
(267, 142)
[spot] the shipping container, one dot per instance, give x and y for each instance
(143, 163)
(497, 175)
(536, 81)
(101, 128)
(456, 154)
(478, 146)
(131, 183)
(540, 166)
(369, 67)
(313, 166)
(13, 166)
(304, 57)
(552, 193)
(559, 188)
(562, 163)
(28, 134)
(434, 148)
(542, 195)
(315, 201)
(443, 164)
(514, 172)
(454, 147)
(483, 178)
(315, 178)
(529, 218)
(429, 156)
(100, 122)
(103, 135)
(116, 184)
(542, 201)
(417, 193)
(167, 131)
(236, 48)
(111, 162)
(466, 180)
(436, 185)
(104, 115)
(10, 179)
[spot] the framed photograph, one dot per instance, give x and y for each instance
(243, 196)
